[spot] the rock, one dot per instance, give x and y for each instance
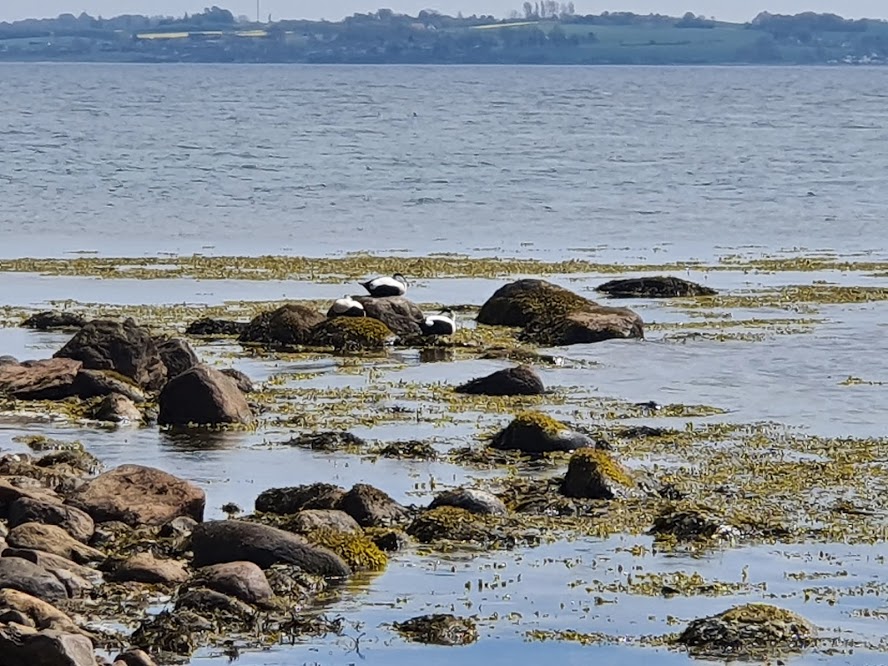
(750, 631)
(585, 327)
(23, 646)
(310, 520)
(211, 602)
(51, 379)
(116, 408)
(24, 576)
(134, 657)
(659, 286)
(6, 359)
(351, 334)
(76, 460)
(110, 534)
(74, 521)
(145, 568)
(535, 432)
(691, 524)
(179, 527)
(297, 498)
(288, 325)
(177, 355)
(242, 580)
(202, 396)
(52, 539)
(475, 501)
(94, 383)
(451, 524)
(593, 474)
(178, 632)
(439, 629)
(54, 563)
(10, 492)
(399, 314)
(244, 383)
(222, 541)
(207, 326)
(138, 495)
(521, 380)
(328, 440)
(387, 539)
(53, 319)
(408, 450)
(42, 614)
(371, 507)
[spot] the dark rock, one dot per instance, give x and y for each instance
(177, 355)
(244, 383)
(74, 521)
(297, 498)
(439, 629)
(310, 520)
(222, 541)
(399, 314)
(145, 568)
(207, 326)
(53, 319)
(179, 527)
(409, 450)
(288, 325)
(94, 383)
(202, 396)
(371, 507)
(23, 646)
(521, 380)
(54, 563)
(451, 524)
(659, 286)
(475, 501)
(351, 334)
(54, 540)
(535, 432)
(329, 440)
(386, 539)
(585, 327)
(8, 360)
(41, 614)
(139, 495)
(25, 576)
(242, 580)
(593, 474)
(691, 524)
(116, 408)
(211, 602)
(51, 379)
(135, 657)
(75, 459)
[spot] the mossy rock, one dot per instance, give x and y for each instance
(359, 551)
(328, 440)
(687, 523)
(526, 301)
(408, 450)
(351, 334)
(290, 324)
(439, 629)
(594, 474)
(750, 631)
(446, 526)
(657, 286)
(589, 325)
(293, 499)
(536, 432)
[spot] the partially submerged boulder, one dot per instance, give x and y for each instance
(659, 286)
(585, 326)
(177, 355)
(520, 380)
(138, 495)
(371, 507)
(124, 347)
(439, 629)
(593, 474)
(470, 499)
(535, 432)
(207, 326)
(54, 319)
(202, 396)
(287, 325)
(351, 334)
(399, 314)
(297, 498)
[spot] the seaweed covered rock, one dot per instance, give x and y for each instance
(124, 347)
(297, 498)
(691, 524)
(178, 632)
(290, 324)
(470, 499)
(355, 548)
(327, 440)
(222, 541)
(242, 580)
(520, 380)
(116, 408)
(399, 314)
(54, 540)
(177, 355)
(408, 450)
(145, 568)
(371, 507)
(351, 334)
(51, 379)
(750, 631)
(450, 523)
(138, 495)
(24, 646)
(585, 326)
(593, 474)
(202, 396)
(54, 320)
(535, 432)
(25, 576)
(208, 327)
(75, 522)
(659, 286)
(214, 604)
(439, 629)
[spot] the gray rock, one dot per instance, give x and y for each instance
(177, 355)
(75, 522)
(24, 646)
(242, 580)
(52, 539)
(25, 576)
(476, 501)
(314, 519)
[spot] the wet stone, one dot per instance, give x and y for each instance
(75, 522)
(475, 501)
(297, 498)
(439, 629)
(242, 580)
(535, 432)
(658, 286)
(521, 380)
(24, 576)
(371, 507)
(54, 319)
(594, 474)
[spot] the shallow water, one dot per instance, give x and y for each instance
(548, 163)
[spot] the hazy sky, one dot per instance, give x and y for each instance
(730, 10)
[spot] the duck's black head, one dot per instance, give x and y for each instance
(400, 278)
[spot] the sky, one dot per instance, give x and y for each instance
(726, 10)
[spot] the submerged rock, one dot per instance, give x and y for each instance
(297, 498)
(75, 522)
(208, 326)
(659, 286)
(593, 474)
(124, 347)
(25, 576)
(439, 629)
(288, 325)
(116, 408)
(351, 334)
(521, 380)
(586, 326)
(51, 379)
(750, 631)
(691, 524)
(475, 501)
(535, 432)
(24, 646)
(54, 540)
(177, 355)
(399, 314)
(242, 580)
(329, 440)
(202, 396)
(54, 319)
(371, 507)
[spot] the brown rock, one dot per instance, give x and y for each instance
(42, 614)
(521, 380)
(75, 522)
(371, 507)
(25, 576)
(54, 563)
(24, 646)
(222, 541)
(400, 314)
(241, 580)
(593, 325)
(124, 347)
(177, 355)
(244, 383)
(52, 379)
(134, 657)
(593, 474)
(658, 286)
(117, 408)
(288, 325)
(138, 496)
(145, 568)
(94, 383)
(310, 520)
(202, 396)
(10, 492)
(284, 501)
(52, 539)
(54, 319)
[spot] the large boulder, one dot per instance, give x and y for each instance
(177, 355)
(53, 540)
(145, 568)
(222, 541)
(51, 379)
(242, 580)
(351, 334)
(124, 347)
(520, 380)
(399, 314)
(207, 326)
(593, 474)
(535, 432)
(138, 495)
(75, 522)
(371, 507)
(659, 286)
(202, 396)
(586, 326)
(20, 574)
(288, 325)
(54, 319)
(24, 646)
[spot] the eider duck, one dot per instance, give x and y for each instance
(443, 323)
(395, 285)
(346, 307)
